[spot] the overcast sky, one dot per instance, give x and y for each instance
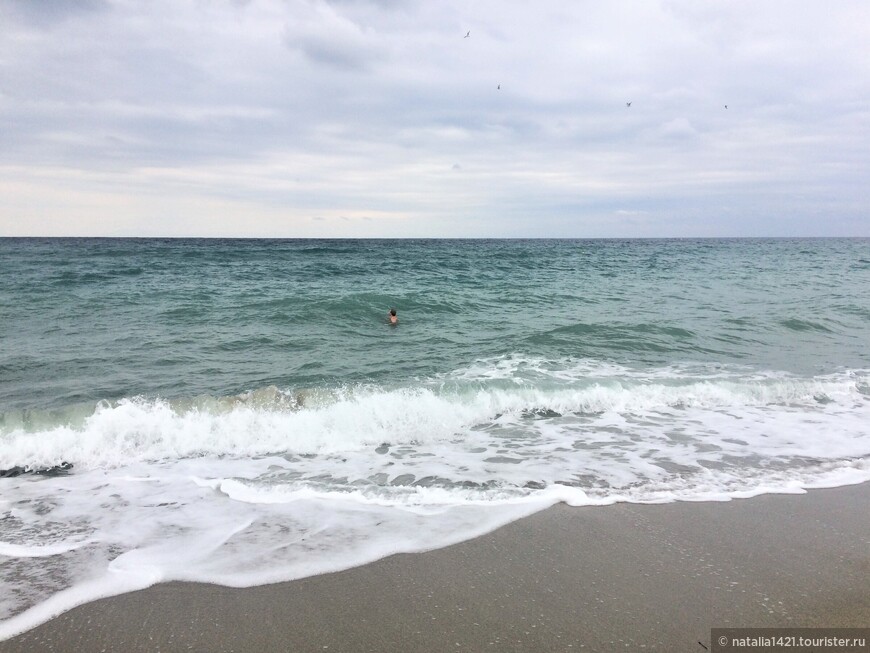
(379, 118)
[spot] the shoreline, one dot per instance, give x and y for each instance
(618, 577)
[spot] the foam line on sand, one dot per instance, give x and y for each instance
(620, 577)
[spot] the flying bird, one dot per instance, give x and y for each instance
(726, 106)
(499, 87)
(628, 104)
(467, 34)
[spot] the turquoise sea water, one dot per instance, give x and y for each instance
(92, 319)
(247, 402)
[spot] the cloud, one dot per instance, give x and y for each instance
(327, 37)
(47, 13)
(679, 128)
(367, 108)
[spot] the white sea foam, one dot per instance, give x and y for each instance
(153, 430)
(247, 492)
(39, 551)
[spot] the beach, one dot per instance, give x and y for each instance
(621, 577)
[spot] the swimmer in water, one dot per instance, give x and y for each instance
(392, 316)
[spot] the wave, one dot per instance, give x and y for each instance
(300, 421)
(796, 324)
(276, 484)
(69, 279)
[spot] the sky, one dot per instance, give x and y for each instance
(435, 118)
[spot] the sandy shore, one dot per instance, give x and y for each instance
(623, 577)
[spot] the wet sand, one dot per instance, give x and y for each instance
(616, 578)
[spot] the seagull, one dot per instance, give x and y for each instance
(628, 104)
(726, 106)
(499, 87)
(467, 34)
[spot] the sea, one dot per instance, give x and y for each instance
(242, 412)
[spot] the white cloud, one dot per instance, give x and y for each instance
(258, 117)
(679, 128)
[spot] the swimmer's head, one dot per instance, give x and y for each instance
(392, 311)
